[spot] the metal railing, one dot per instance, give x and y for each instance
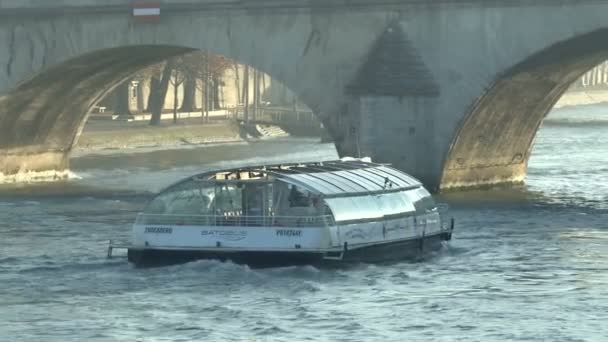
(235, 221)
(275, 115)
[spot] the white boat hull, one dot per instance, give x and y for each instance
(381, 252)
(267, 246)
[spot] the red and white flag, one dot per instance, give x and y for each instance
(146, 11)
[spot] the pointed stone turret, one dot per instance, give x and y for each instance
(394, 68)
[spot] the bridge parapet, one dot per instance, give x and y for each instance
(282, 4)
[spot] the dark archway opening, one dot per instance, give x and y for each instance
(197, 98)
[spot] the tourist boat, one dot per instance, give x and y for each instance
(291, 214)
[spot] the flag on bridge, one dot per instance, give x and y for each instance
(146, 11)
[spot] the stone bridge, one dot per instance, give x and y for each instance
(451, 91)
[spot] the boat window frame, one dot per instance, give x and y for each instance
(183, 186)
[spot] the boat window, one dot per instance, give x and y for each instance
(370, 207)
(407, 205)
(387, 204)
(258, 199)
(355, 208)
(425, 204)
(298, 197)
(280, 197)
(188, 198)
(367, 207)
(395, 203)
(343, 208)
(422, 199)
(228, 199)
(292, 200)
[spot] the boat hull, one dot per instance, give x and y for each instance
(410, 249)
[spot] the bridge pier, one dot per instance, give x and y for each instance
(391, 107)
(391, 130)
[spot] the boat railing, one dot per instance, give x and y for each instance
(235, 221)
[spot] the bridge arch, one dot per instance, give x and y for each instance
(47, 112)
(495, 139)
(69, 64)
(43, 115)
(48, 101)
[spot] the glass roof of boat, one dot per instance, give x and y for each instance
(330, 178)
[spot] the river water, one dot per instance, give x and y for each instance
(525, 264)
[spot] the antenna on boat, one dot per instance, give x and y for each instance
(388, 182)
(354, 132)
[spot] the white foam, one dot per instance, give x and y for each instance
(37, 176)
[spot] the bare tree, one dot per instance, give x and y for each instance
(123, 102)
(207, 78)
(154, 86)
(188, 99)
(158, 94)
(176, 79)
(218, 96)
(152, 75)
(246, 94)
(256, 94)
(205, 66)
(237, 81)
(263, 94)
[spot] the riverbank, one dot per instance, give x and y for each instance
(579, 98)
(109, 136)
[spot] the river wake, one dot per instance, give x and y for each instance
(29, 177)
(526, 263)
